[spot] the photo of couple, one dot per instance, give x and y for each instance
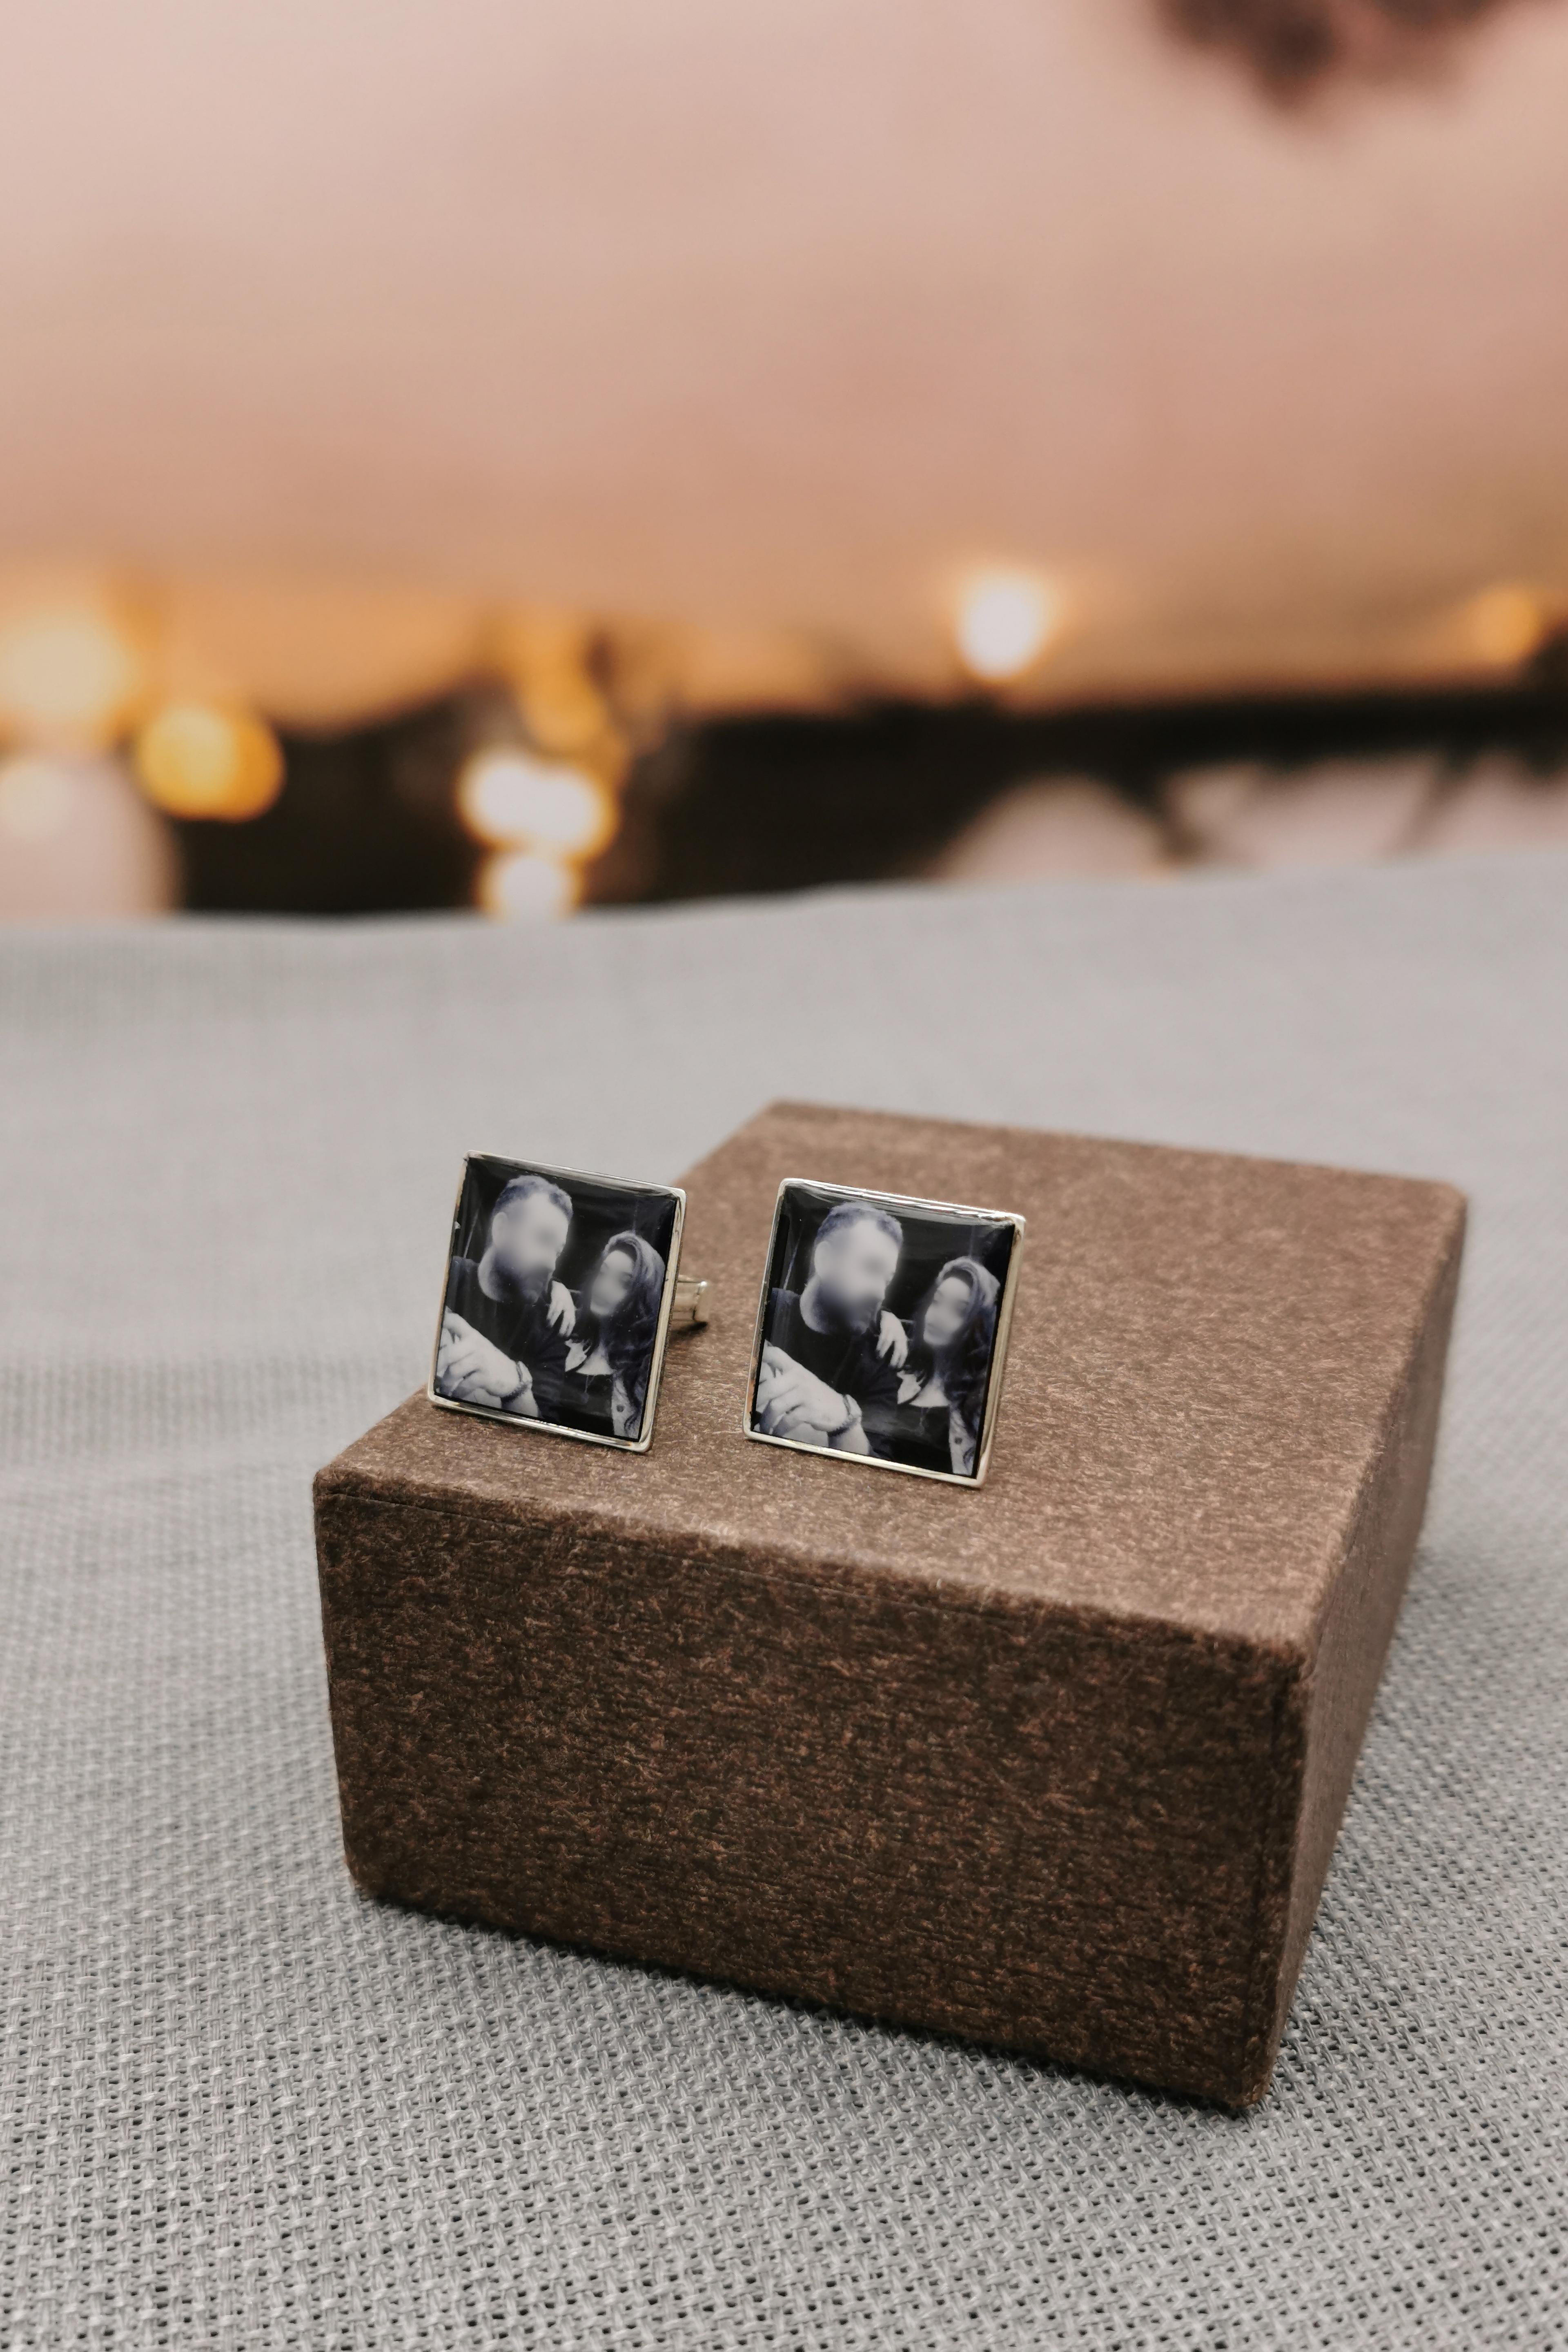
(882, 1329)
(553, 1306)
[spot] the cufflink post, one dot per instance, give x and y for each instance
(689, 1311)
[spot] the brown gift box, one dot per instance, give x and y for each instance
(1057, 1762)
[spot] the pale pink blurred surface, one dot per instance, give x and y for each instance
(774, 317)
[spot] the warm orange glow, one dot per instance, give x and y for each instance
(610, 759)
(200, 760)
(1004, 621)
(510, 799)
(519, 886)
(564, 712)
(313, 652)
(35, 796)
(69, 674)
(547, 658)
(532, 641)
(1505, 624)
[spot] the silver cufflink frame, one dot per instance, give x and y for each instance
(683, 1303)
(913, 1209)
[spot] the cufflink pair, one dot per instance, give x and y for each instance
(880, 1335)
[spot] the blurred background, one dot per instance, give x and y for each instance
(458, 454)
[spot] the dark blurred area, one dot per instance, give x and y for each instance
(367, 821)
(788, 803)
(1293, 47)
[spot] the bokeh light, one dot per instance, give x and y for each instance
(36, 795)
(202, 759)
(508, 799)
(1506, 624)
(520, 885)
(69, 674)
(1004, 621)
(79, 842)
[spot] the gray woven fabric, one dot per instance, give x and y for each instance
(245, 2106)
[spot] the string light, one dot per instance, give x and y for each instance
(202, 759)
(69, 674)
(521, 885)
(1004, 620)
(511, 800)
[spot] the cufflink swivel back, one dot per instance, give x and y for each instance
(689, 1311)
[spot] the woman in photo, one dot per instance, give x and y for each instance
(605, 1384)
(942, 1390)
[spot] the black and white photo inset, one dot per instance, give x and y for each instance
(556, 1303)
(882, 1329)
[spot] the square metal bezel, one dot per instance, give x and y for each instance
(895, 1202)
(638, 1444)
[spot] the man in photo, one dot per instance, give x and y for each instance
(824, 1379)
(501, 1342)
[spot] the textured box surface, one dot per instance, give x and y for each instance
(1058, 1762)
